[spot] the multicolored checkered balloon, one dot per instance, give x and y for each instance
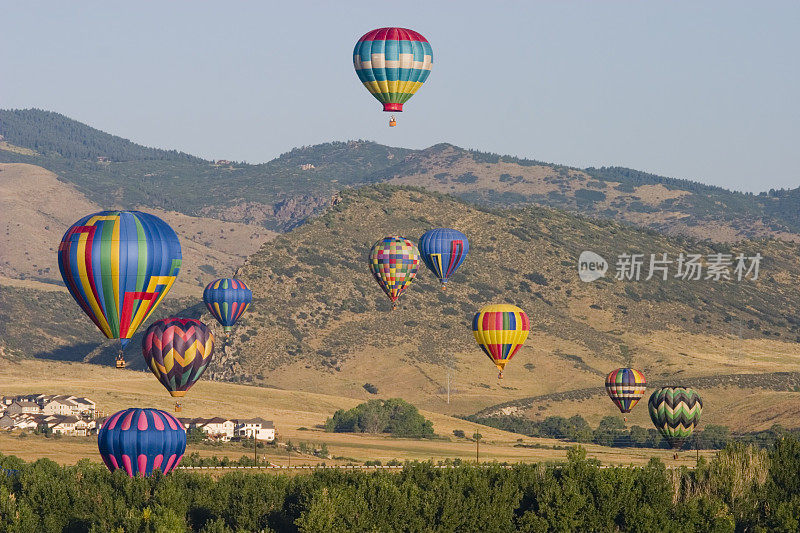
(394, 262)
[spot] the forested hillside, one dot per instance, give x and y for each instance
(282, 193)
(50, 133)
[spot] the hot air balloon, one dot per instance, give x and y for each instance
(500, 330)
(141, 440)
(394, 262)
(625, 387)
(443, 250)
(675, 411)
(392, 63)
(178, 350)
(227, 299)
(118, 266)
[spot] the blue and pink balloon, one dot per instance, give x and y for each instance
(142, 440)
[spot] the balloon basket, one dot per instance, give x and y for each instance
(120, 362)
(178, 407)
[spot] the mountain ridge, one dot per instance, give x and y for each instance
(282, 193)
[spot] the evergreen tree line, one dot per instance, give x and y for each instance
(48, 132)
(611, 431)
(740, 489)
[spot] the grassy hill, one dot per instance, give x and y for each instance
(679, 207)
(36, 208)
(319, 322)
(282, 193)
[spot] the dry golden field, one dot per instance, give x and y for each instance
(296, 416)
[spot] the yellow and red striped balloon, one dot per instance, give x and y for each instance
(500, 330)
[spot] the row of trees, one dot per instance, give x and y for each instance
(611, 431)
(394, 416)
(740, 489)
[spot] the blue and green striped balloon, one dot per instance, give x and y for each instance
(227, 299)
(118, 266)
(393, 63)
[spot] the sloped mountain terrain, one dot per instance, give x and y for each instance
(282, 193)
(319, 321)
(36, 208)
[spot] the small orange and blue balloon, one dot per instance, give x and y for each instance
(178, 351)
(393, 262)
(227, 299)
(625, 387)
(443, 250)
(118, 266)
(500, 330)
(393, 63)
(140, 441)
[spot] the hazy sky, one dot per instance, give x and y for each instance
(700, 90)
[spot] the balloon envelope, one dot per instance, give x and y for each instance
(227, 299)
(118, 266)
(625, 387)
(675, 412)
(394, 262)
(178, 351)
(500, 330)
(141, 440)
(443, 250)
(392, 63)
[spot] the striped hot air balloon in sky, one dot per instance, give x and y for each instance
(178, 351)
(118, 266)
(141, 440)
(443, 250)
(393, 63)
(500, 330)
(393, 262)
(227, 299)
(625, 387)
(675, 412)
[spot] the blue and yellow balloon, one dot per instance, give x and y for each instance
(443, 250)
(118, 266)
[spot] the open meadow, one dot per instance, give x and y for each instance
(297, 417)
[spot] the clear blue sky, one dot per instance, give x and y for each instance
(705, 91)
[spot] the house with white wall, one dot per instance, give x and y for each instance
(258, 427)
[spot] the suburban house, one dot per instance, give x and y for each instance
(68, 425)
(61, 404)
(258, 427)
(64, 414)
(22, 407)
(57, 407)
(7, 422)
(216, 428)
